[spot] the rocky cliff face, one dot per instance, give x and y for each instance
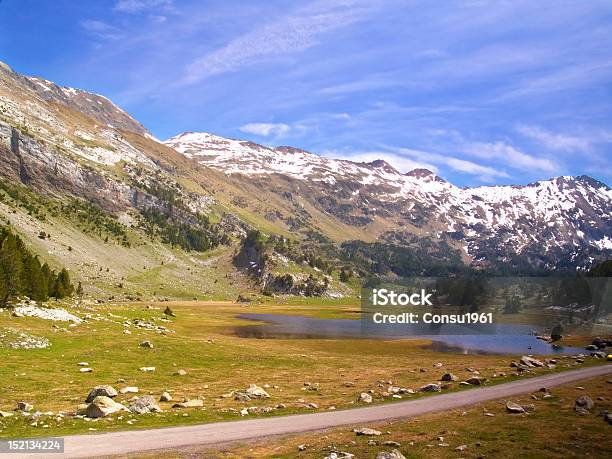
(34, 164)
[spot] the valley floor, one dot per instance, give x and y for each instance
(553, 430)
(301, 375)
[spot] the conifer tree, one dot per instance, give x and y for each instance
(22, 274)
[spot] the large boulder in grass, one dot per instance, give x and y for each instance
(102, 406)
(531, 362)
(101, 391)
(254, 391)
(367, 431)
(583, 403)
(194, 403)
(393, 454)
(512, 407)
(475, 380)
(430, 388)
(144, 404)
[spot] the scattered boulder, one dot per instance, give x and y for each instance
(475, 380)
(144, 404)
(85, 370)
(391, 443)
(146, 344)
(366, 431)
(180, 373)
(147, 369)
(195, 403)
(241, 397)
(4, 414)
(584, 403)
(102, 406)
(448, 377)
(512, 407)
(364, 397)
(101, 391)
(430, 388)
(24, 406)
(601, 343)
(531, 362)
(129, 390)
(393, 454)
(339, 455)
(519, 366)
(461, 448)
(255, 391)
(165, 397)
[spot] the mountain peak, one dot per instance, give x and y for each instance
(93, 105)
(422, 173)
(7, 68)
(384, 165)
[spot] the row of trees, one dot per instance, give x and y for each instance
(21, 273)
(199, 236)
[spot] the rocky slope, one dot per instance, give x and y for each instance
(563, 221)
(94, 105)
(64, 143)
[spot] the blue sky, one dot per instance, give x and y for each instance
(483, 92)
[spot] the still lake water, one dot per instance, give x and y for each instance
(508, 339)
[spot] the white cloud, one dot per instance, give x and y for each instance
(341, 116)
(289, 34)
(511, 156)
(468, 167)
(136, 6)
(574, 76)
(459, 165)
(553, 140)
(401, 163)
(100, 29)
(266, 129)
(363, 85)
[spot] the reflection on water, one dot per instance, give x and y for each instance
(517, 339)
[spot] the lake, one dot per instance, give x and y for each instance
(508, 338)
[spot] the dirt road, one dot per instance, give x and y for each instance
(97, 445)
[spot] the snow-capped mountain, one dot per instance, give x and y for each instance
(94, 105)
(561, 220)
(64, 141)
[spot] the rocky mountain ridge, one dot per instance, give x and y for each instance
(61, 141)
(570, 217)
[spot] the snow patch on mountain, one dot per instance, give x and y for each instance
(549, 214)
